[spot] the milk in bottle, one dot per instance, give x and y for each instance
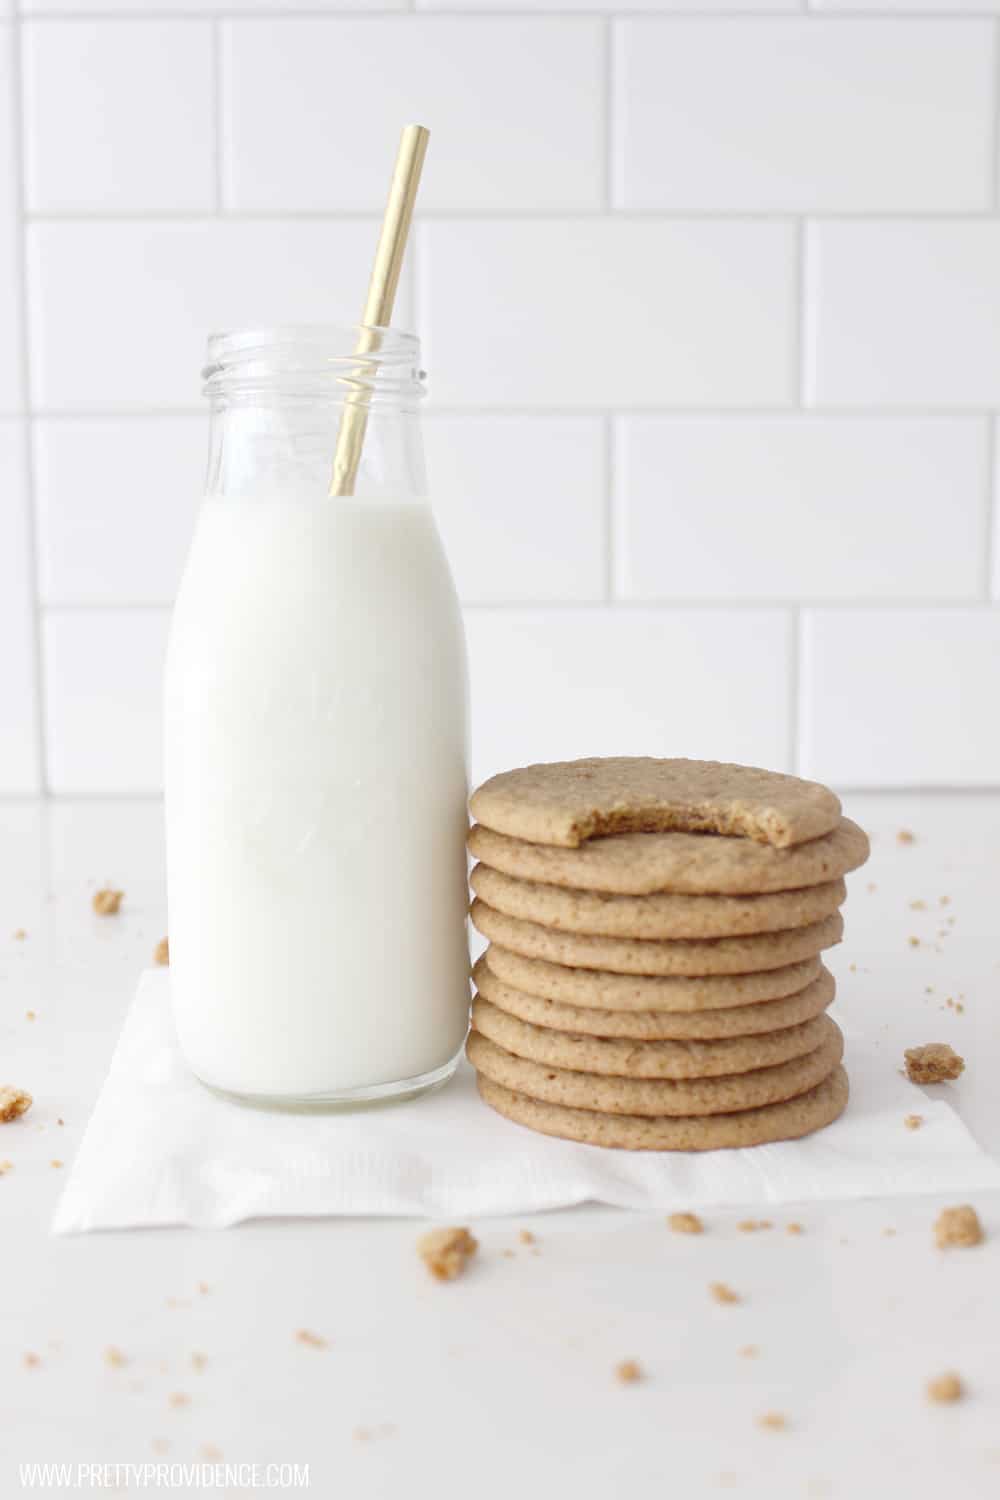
(316, 741)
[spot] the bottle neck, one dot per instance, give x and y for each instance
(279, 399)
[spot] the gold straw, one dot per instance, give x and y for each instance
(378, 304)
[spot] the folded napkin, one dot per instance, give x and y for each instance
(161, 1149)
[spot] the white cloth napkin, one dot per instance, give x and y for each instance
(161, 1149)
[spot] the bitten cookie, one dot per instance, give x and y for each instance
(662, 915)
(658, 1025)
(645, 1096)
(685, 956)
(620, 1058)
(566, 802)
(639, 864)
(750, 1127)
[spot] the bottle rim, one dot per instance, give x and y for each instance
(314, 361)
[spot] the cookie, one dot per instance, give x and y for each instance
(620, 1058)
(658, 1096)
(690, 956)
(675, 993)
(658, 1025)
(566, 802)
(663, 915)
(748, 1127)
(694, 864)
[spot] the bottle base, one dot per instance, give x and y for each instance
(342, 1100)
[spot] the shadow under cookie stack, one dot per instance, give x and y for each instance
(654, 978)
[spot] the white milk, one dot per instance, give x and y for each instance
(316, 795)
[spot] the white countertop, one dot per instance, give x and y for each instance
(502, 1383)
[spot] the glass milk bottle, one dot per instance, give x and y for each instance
(316, 739)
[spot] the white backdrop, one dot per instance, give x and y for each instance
(711, 308)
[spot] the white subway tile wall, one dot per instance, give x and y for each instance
(710, 299)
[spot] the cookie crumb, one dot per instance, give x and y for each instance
(628, 1372)
(888, 1231)
(750, 1226)
(55, 1162)
(507, 1254)
(913, 1122)
(945, 1388)
(945, 900)
(914, 942)
(311, 1340)
(749, 1351)
(723, 1293)
(935, 1062)
(114, 1357)
(918, 905)
(107, 903)
(795, 1228)
(199, 1361)
(13, 1103)
(526, 1237)
(161, 1445)
(5, 1167)
(203, 1286)
(211, 1453)
(19, 935)
(177, 1399)
(773, 1421)
(161, 953)
(905, 836)
(686, 1224)
(447, 1252)
(958, 1228)
(30, 1015)
(31, 1360)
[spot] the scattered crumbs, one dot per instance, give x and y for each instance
(913, 1122)
(958, 1228)
(918, 905)
(794, 1228)
(526, 1237)
(935, 1062)
(114, 1357)
(507, 1254)
(685, 1224)
(177, 1399)
(161, 953)
(749, 1351)
(210, 1453)
(161, 1445)
(13, 1103)
(199, 1361)
(628, 1372)
(773, 1421)
(311, 1340)
(31, 1361)
(447, 1252)
(20, 935)
(30, 1015)
(107, 903)
(871, 887)
(723, 1293)
(904, 836)
(945, 1388)
(914, 942)
(750, 1226)
(55, 1162)
(203, 1286)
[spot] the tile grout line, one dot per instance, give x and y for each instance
(610, 509)
(18, 124)
(994, 184)
(583, 215)
(794, 689)
(610, 35)
(678, 17)
(218, 117)
(804, 332)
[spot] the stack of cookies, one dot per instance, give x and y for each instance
(654, 979)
